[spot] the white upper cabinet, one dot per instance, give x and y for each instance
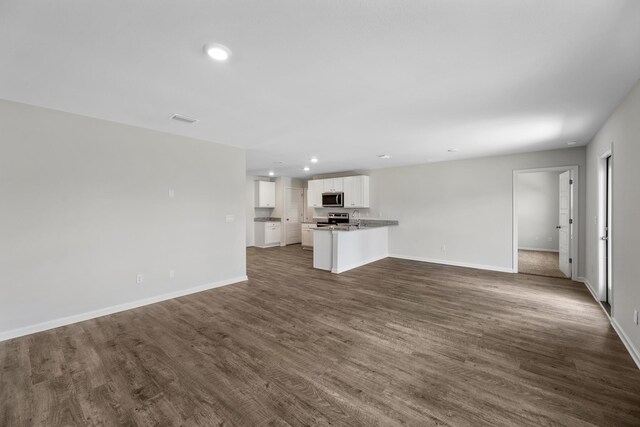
(332, 185)
(356, 192)
(355, 189)
(314, 193)
(265, 194)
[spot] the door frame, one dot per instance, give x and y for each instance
(600, 228)
(575, 208)
(284, 216)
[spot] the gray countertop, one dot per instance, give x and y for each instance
(267, 219)
(365, 224)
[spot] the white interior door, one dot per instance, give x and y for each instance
(564, 224)
(294, 214)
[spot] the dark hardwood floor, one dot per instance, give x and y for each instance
(392, 343)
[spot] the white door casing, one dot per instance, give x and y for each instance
(574, 194)
(294, 215)
(608, 234)
(564, 223)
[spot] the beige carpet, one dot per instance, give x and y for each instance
(539, 263)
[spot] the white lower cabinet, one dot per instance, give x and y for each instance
(307, 235)
(267, 234)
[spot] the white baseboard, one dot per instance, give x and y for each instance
(272, 245)
(593, 294)
(539, 250)
(55, 323)
(590, 289)
(359, 264)
(633, 351)
(454, 263)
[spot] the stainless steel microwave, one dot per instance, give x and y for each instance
(332, 200)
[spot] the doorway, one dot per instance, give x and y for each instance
(544, 220)
(294, 215)
(606, 209)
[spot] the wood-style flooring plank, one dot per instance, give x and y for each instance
(395, 342)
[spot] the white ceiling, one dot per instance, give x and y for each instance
(343, 80)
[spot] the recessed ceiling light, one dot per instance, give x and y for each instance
(314, 160)
(271, 173)
(217, 52)
(384, 156)
(453, 150)
(572, 142)
(306, 169)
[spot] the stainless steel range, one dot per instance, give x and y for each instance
(334, 218)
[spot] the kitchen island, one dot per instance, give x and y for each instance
(341, 248)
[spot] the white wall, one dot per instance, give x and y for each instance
(538, 206)
(622, 130)
(464, 205)
(86, 207)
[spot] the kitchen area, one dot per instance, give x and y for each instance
(323, 215)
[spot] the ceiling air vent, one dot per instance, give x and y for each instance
(184, 119)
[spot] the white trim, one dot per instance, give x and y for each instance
(589, 287)
(635, 355)
(50, 324)
(594, 294)
(539, 250)
(453, 263)
(633, 351)
(270, 245)
(600, 226)
(358, 264)
(575, 213)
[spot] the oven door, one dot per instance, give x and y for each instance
(332, 200)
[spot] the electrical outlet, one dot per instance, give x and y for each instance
(172, 193)
(172, 274)
(635, 316)
(443, 248)
(230, 218)
(139, 278)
